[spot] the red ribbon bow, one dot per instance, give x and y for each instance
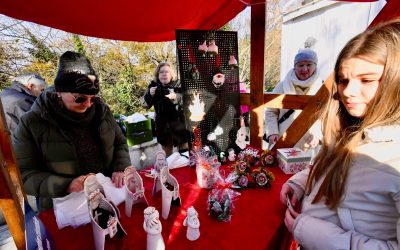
(292, 152)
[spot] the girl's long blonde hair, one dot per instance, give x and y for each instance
(342, 132)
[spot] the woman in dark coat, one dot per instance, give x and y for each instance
(164, 94)
(67, 134)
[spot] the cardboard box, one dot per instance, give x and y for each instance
(293, 160)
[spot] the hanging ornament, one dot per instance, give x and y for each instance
(218, 78)
(203, 48)
(232, 62)
(212, 47)
(192, 73)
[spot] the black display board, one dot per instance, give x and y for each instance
(222, 105)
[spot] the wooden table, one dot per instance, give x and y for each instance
(257, 222)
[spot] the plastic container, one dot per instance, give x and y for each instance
(138, 132)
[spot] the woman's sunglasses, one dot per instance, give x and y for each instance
(81, 98)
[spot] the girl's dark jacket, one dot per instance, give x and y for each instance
(47, 158)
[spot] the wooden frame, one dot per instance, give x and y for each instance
(258, 101)
(311, 105)
(11, 194)
(257, 54)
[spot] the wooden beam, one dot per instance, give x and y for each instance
(306, 118)
(311, 105)
(257, 55)
(11, 191)
(311, 112)
(279, 100)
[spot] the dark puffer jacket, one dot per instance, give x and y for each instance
(166, 110)
(170, 125)
(16, 100)
(48, 159)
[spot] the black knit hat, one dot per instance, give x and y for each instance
(76, 74)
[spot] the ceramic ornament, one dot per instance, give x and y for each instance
(193, 224)
(203, 48)
(170, 192)
(92, 190)
(218, 78)
(231, 154)
(103, 214)
(161, 162)
(134, 189)
(152, 226)
(192, 73)
(212, 48)
(241, 138)
(232, 62)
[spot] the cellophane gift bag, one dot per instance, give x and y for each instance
(222, 197)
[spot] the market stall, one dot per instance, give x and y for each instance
(70, 19)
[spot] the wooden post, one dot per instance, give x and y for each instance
(257, 72)
(11, 192)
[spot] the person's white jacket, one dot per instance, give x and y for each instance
(287, 86)
(368, 217)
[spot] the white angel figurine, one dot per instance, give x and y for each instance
(103, 214)
(152, 226)
(93, 191)
(231, 154)
(134, 189)
(241, 138)
(169, 192)
(161, 162)
(193, 224)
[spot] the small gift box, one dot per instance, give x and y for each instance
(293, 160)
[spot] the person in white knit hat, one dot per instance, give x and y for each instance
(303, 79)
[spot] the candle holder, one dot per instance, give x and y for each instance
(197, 144)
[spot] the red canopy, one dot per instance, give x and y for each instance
(356, 0)
(131, 20)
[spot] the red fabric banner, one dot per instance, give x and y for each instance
(134, 20)
(360, 1)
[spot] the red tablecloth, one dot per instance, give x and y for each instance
(257, 222)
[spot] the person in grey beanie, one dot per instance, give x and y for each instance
(303, 79)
